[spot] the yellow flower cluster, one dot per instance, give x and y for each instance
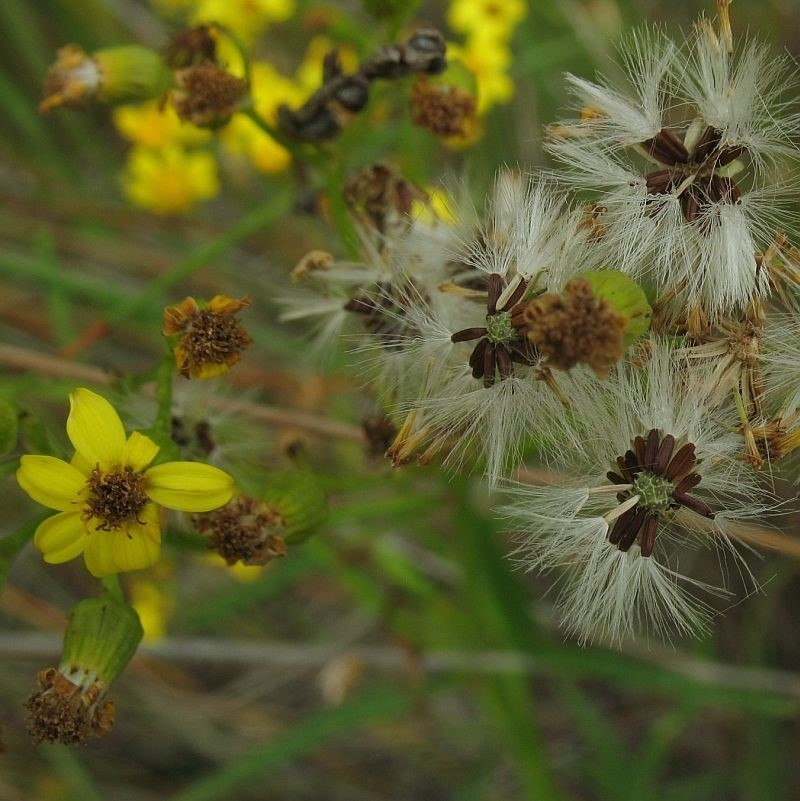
(172, 166)
(245, 18)
(487, 26)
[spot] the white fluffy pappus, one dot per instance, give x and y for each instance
(608, 591)
(695, 168)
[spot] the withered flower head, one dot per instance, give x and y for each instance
(592, 321)
(381, 198)
(70, 705)
(207, 95)
(245, 530)
(575, 326)
(113, 75)
(445, 110)
(254, 531)
(210, 339)
(191, 47)
(68, 711)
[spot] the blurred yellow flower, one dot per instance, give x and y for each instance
(246, 18)
(242, 137)
(488, 58)
(156, 125)
(152, 604)
(170, 180)
(496, 16)
(107, 498)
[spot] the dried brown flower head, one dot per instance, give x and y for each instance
(207, 95)
(446, 111)
(210, 339)
(69, 713)
(575, 326)
(245, 530)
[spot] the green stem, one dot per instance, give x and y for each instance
(112, 586)
(163, 390)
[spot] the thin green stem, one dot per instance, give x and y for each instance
(112, 586)
(163, 391)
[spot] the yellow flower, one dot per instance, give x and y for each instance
(169, 181)
(498, 16)
(154, 125)
(210, 340)
(108, 499)
(246, 18)
(488, 58)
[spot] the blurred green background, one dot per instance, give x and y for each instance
(399, 655)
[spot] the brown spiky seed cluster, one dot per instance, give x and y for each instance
(61, 711)
(245, 530)
(574, 327)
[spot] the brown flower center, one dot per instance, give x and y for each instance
(245, 530)
(694, 176)
(214, 338)
(660, 478)
(501, 342)
(115, 498)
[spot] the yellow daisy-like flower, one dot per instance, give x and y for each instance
(170, 180)
(155, 126)
(488, 58)
(499, 16)
(107, 498)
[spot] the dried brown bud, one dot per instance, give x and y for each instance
(446, 111)
(422, 53)
(381, 198)
(190, 48)
(207, 95)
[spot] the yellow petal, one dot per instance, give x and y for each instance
(82, 464)
(139, 452)
(222, 304)
(51, 482)
(94, 428)
(132, 548)
(209, 369)
(176, 317)
(61, 537)
(189, 486)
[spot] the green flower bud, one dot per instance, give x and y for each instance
(101, 638)
(122, 74)
(70, 705)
